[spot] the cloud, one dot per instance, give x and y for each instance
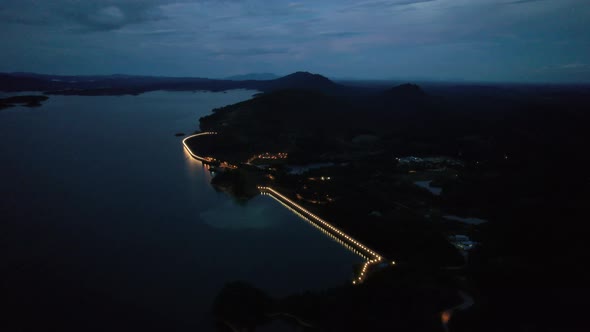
(371, 38)
(108, 17)
(88, 14)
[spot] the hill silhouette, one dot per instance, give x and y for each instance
(405, 91)
(303, 79)
(127, 84)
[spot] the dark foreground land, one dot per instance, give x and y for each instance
(513, 156)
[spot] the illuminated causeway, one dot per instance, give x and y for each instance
(369, 255)
(205, 159)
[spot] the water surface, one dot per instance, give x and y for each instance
(428, 186)
(108, 224)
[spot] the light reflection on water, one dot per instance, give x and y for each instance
(196, 169)
(232, 216)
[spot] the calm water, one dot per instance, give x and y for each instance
(108, 224)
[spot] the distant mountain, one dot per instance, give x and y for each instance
(405, 91)
(125, 84)
(253, 77)
(404, 97)
(305, 80)
(303, 77)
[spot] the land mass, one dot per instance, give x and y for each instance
(28, 101)
(513, 157)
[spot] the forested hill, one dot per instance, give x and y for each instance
(406, 119)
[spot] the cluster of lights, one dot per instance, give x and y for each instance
(268, 155)
(225, 164)
(330, 230)
(323, 178)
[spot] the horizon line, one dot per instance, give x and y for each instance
(336, 79)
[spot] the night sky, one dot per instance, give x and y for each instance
(475, 40)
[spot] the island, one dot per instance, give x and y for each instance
(27, 101)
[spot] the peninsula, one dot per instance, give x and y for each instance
(375, 152)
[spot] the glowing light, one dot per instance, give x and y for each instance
(350, 243)
(208, 159)
(201, 158)
(445, 317)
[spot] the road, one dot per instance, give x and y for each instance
(205, 159)
(371, 257)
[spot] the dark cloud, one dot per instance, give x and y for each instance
(113, 17)
(88, 14)
(474, 39)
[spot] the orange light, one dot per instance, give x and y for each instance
(369, 255)
(445, 317)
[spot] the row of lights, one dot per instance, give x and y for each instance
(323, 230)
(268, 155)
(339, 232)
(205, 159)
(363, 273)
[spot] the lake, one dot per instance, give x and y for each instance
(108, 224)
